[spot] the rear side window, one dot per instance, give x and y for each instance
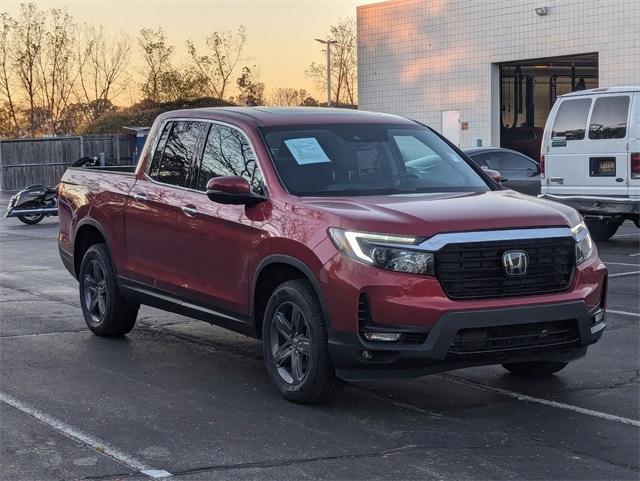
(571, 119)
(157, 155)
(228, 153)
(179, 149)
(609, 118)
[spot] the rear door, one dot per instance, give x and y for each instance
(634, 145)
(154, 211)
(567, 149)
(608, 159)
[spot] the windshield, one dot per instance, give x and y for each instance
(367, 159)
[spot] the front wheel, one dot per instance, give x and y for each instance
(535, 368)
(295, 344)
(601, 229)
(105, 311)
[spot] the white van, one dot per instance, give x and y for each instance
(590, 156)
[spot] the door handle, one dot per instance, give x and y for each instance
(140, 197)
(190, 210)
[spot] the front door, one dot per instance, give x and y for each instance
(222, 238)
(155, 210)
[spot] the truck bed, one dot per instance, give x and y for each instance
(94, 195)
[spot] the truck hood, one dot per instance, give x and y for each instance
(430, 214)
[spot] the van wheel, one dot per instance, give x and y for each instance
(601, 230)
(105, 311)
(535, 368)
(295, 344)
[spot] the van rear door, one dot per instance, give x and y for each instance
(607, 141)
(566, 150)
(633, 137)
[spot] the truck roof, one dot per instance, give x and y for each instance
(604, 90)
(282, 116)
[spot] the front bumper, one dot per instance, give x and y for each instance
(357, 359)
(593, 205)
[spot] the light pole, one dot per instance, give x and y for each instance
(328, 43)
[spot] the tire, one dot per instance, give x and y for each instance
(30, 219)
(105, 311)
(535, 368)
(294, 328)
(601, 230)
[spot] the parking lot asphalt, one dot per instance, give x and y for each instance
(182, 398)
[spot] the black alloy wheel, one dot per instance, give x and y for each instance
(290, 345)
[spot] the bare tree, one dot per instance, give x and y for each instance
(29, 37)
(287, 96)
(7, 26)
(56, 70)
(102, 66)
(344, 63)
(250, 87)
(157, 57)
(217, 66)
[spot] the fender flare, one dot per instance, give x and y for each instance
(95, 224)
(301, 266)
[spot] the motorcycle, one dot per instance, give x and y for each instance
(34, 203)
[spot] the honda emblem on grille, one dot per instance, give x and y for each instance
(515, 263)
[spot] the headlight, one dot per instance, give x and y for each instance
(584, 244)
(391, 252)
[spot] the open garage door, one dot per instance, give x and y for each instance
(528, 90)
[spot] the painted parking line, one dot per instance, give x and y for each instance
(621, 264)
(627, 235)
(623, 313)
(545, 402)
(84, 438)
(634, 255)
(624, 274)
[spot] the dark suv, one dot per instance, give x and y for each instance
(309, 228)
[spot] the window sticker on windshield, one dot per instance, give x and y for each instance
(307, 151)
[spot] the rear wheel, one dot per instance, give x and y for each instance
(30, 219)
(602, 229)
(105, 311)
(535, 368)
(295, 344)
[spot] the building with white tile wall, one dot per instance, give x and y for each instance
(420, 58)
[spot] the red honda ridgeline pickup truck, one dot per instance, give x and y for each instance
(356, 245)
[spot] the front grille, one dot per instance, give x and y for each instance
(515, 337)
(474, 270)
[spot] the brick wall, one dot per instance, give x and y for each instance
(419, 57)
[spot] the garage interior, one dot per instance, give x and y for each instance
(528, 90)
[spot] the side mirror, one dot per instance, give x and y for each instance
(232, 190)
(495, 175)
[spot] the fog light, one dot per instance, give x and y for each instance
(382, 336)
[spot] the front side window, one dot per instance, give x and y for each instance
(228, 153)
(368, 159)
(571, 119)
(178, 152)
(609, 118)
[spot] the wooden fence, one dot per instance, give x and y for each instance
(43, 161)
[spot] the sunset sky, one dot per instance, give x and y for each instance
(280, 32)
